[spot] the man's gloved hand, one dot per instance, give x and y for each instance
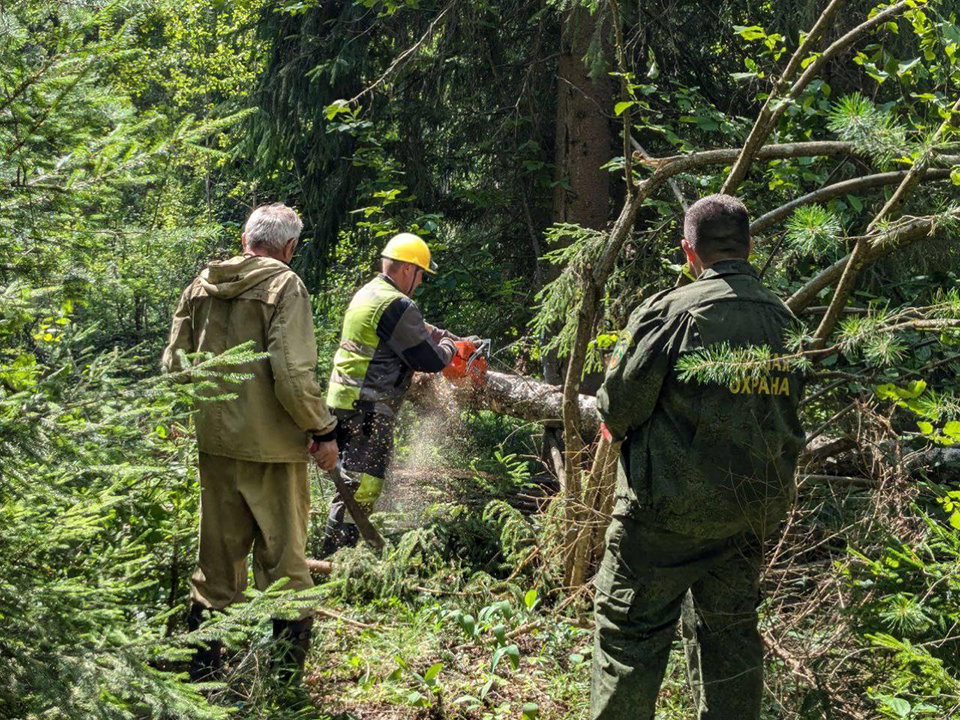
(324, 453)
(460, 368)
(451, 344)
(474, 340)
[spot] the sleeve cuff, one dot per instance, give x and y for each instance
(326, 437)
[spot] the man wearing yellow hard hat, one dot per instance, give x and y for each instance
(384, 341)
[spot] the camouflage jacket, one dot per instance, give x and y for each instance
(707, 460)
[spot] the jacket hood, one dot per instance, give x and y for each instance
(230, 278)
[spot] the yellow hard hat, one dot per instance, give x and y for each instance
(410, 248)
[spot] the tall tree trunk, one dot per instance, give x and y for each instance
(584, 142)
(584, 138)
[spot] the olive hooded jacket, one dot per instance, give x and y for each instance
(706, 460)
(276, 411)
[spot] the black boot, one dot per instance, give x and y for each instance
(292, 641)
(207, 662)
(337, 535)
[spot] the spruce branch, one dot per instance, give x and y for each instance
(862, 253)
(723, 363)
(877, 134)
(813, 230)
(896, 238)
(844, 187)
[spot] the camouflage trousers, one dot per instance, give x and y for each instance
(645, 575)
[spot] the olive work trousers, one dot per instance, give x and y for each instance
(645, 574)
(245, 504)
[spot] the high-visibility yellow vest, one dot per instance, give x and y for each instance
(358, 342)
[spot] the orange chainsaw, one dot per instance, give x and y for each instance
(469, 364)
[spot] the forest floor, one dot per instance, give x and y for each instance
(448, 653)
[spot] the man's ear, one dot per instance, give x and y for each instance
(243, 242)
(689, 251)
(290, 247)
(750, 246)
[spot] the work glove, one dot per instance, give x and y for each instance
(605, 432)
(460, 370)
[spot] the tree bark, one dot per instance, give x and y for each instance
(584, 139)
(514, 395)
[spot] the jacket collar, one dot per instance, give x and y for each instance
(724, 268)
(386, 279)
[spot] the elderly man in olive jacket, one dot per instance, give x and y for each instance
(254, 447)
(706, 471)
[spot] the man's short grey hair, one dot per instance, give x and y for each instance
(271, 227)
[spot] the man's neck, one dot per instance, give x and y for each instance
(261, 253)
(392, 280)
(723, 260)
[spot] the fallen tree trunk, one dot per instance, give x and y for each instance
(514, 395)
(320, 567)
(843, 457)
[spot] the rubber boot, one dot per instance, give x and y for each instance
(292, 641)
(207, 662)
(337, 535)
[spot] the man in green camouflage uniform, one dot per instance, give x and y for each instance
(706, 471)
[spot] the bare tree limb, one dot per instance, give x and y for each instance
(862, 250)
(674, 185)
(828, 192)
(770, 111)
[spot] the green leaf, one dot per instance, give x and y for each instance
(486, 688)
(952, 429)
(511, 652)
(905, 67)
(623, 106)
(500, 633)
(955, 175)
(899, 706)
(430, 676)
(530, 599)
(925, 427)
(530, 711)
(887, 391)
(335, 108)
(750, 32)
(469, 624)
(913, 389)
